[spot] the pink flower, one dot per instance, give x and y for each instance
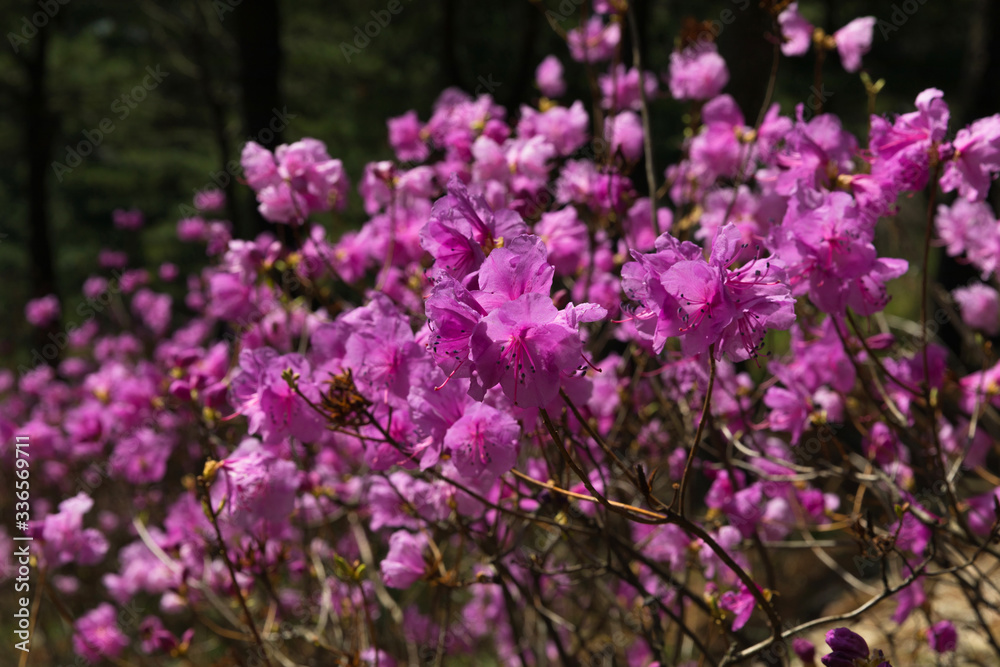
(549, 77)
(854, 40)
(980, 307)
(259, 167)
(42, 312)
(697, 73)
(593, 41)
(740, 603)
(130, 219)
(976, 160)
(620, 88)
(528, 347)
(97, 635)
(299, 179)
(111, 259)
(210, 200)
(191, 229)
(565, 236)
(66, 540)
(731, 307)
(483, 442)
(405, 138)
(907, 600)
(795, 31)
(405, 564)
(901, 150)
(624, 133)
(256, 485)
(564, 128)
(942, 637)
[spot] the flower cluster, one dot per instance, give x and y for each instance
(529, 409)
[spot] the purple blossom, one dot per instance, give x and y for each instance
(730, 307)
(697, 72)
(976, 159)
(741, 603)
(620, 88)
(854, 40)
(65, 538)
(593, 41)
(527, 346)
(97, 635)
(846, 644)
(943, 637)
(901, 150)
(255, 485)
(624, 133)
(210, 200)
(42, 312)
(405, 563)
(483, 442)
(566, 239)
(979, 305)
(405, 137)
(549, 77)
(130, 219)
(796, 32)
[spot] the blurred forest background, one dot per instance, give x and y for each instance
(229, 64)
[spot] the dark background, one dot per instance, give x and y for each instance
(230, 63)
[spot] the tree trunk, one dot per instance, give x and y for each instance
(256, 27)
(38, 152)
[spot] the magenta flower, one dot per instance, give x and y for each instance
(483, 442)
(521, 267)
(805, 650)
(405, 138)
(623, 132)
(527, 347)
(620, 88)
(593, 41)
(141, 457)
(979, 305)
(854, 40)
(549, 77)
(405, 563)
(255, 485)
(976, 160)
(901, 149)
(273, 408)
(727, 307)
(65, 538)
(153, 310)
(697, 73)
(942, 637)
(42, 312)
(564, 128)
(740, 603)
(210, 200)
(565, 236)
(128, 219)
(907, 600)
(97, 635)
(970, 227)
(796, 32)
(452, 314)
(297, 180)
(157, 639)
(462, 228)
(848, 647)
